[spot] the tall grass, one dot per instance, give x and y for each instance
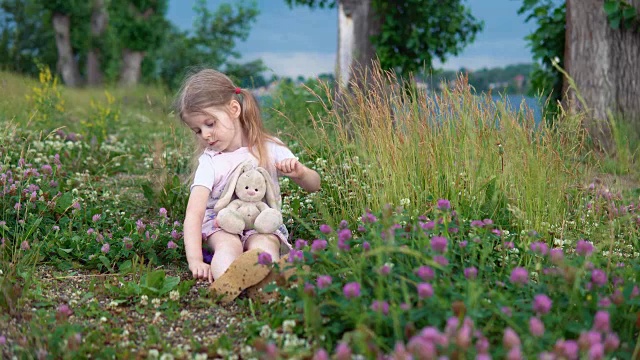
(401, 145)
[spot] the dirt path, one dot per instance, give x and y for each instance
(193, 325)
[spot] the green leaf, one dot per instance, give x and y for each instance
(629, 13)
(154, 279)
(614, 22)
(150, 290)
(125, 266)
(64, 202)
(185, 286)
(105, 261)
(170, 282)
(611, 7)
(148, 192)
(64, 252)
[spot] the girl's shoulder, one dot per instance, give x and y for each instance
(278, 150)
(276, 144)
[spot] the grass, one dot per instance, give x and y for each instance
(447, 224)
(488, 160)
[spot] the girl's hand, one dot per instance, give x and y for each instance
(291, 168)
(201, 270)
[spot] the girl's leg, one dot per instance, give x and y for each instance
(226, 248)
(266, 242)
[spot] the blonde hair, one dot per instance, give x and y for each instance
(206, 88)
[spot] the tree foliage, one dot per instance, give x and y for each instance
(621, 14)
(27, 37)
(212, 43)
(415, 32)
(139, 24)
(547, 45)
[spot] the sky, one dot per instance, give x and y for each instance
(303, 41)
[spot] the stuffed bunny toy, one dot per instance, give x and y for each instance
(256, 206)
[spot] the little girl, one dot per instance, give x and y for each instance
(228, 128)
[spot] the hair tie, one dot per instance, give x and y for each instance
(238, 91)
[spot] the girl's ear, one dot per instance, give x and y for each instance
(235, 108)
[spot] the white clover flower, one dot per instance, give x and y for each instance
(245, 351)
(288, 326)
(174, 295)
(405, 202)
(156, 302)
(265, 331)
(153, 354)
(144, 300)
(166, 356)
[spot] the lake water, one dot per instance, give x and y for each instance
(514, 102)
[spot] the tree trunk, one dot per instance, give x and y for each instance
(99, 19)
(357, 22)
(131, 62)
(67, 65)
(604, 65)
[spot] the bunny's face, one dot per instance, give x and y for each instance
(251, 186)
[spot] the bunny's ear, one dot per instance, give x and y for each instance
(230, 188)
(270, 194)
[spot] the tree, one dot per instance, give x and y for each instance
(99, 21)
(405, 35)
(601, 56)
(141, 26)
(63, 14)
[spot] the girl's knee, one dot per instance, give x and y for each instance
(224, 241)
(265, 242)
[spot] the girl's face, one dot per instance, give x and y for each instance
(218, 127)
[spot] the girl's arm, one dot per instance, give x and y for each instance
(193, 233)
(307, 178)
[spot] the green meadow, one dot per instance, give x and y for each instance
(448, 226)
